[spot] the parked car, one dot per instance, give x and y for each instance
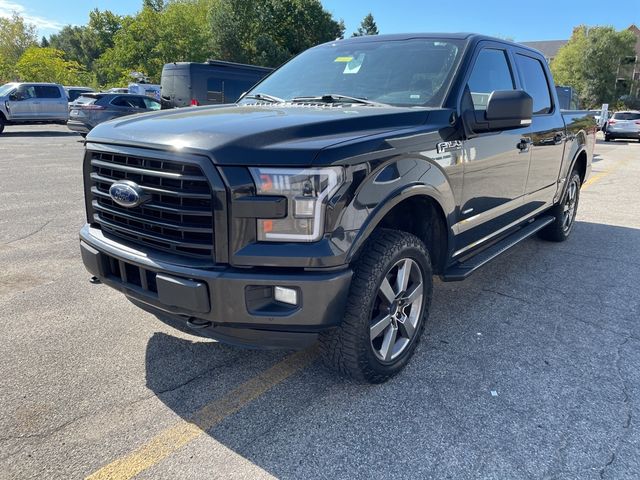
(118, 90)
(623, 125)
(189, 84)
(320, 206)
(74, 92)
(27, 103)
(92, 109)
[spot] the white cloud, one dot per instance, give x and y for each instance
(44, 25)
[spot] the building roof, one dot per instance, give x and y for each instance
(549, 48)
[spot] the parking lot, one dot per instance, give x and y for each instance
(529, 369)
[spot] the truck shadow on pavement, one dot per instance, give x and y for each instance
(527, 369)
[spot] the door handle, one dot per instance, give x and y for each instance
(524, 143)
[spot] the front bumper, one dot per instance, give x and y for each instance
(232, 305)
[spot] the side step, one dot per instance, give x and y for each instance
(462, 270)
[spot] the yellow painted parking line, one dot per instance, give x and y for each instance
(595, 177)
(184, 432)
(603, 173)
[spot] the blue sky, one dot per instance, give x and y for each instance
(536, 20)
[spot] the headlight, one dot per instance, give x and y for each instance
(307, 191)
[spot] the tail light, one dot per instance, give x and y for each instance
(612, 121)
(195, 102)
(637, 122)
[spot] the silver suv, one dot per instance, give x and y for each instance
(32, 103)
(623, 125)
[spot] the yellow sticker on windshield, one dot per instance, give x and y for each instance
(343, 59)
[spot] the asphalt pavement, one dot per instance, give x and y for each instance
(528, 369)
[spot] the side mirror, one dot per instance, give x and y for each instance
(506, 109)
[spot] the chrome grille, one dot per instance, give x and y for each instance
(178, 218)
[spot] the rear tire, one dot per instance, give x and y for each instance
(386, 311)
(564, 212)
(607, 138)
(1, 123)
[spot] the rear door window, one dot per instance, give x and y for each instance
(534, 82)
(47, 91)
(491, 72)
(120, 102)
(128, 102)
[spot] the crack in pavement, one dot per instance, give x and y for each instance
(629, 414)
(38, 230)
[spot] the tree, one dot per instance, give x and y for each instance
(155, 5)
(367, 27)
(16, 36)
(49, 65)
(590, 62)
(145, 42)
(44, 42)
(85, 44)
(269, 32)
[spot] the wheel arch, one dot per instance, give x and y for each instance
(580, 163)
(398, 212)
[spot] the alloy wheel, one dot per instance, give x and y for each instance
(397, 310)
(569, 207)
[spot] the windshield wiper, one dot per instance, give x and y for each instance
(336, 98)
(265, 97)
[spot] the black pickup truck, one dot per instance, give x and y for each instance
(319, 207)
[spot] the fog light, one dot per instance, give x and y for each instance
(286, 295)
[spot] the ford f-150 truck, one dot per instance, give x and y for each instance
(26, 103)
(320, 205)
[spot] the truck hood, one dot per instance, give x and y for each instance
(256, 134)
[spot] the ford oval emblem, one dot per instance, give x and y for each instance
(127, 193)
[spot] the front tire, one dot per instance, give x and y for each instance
(564, 212)
(386, 311)
(1, 123)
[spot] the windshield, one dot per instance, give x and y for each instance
(5, 89)
(402, 73)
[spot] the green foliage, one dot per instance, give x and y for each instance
(15, 37)
(39, 64)
(269, 32)
(590, 62)
(367, 27)
(179, 32)
(155, 5)
(630, 102)
(110, 47)
(86, 44)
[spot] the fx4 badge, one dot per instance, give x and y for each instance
(444, 147)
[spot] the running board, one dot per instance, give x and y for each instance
(462, 270)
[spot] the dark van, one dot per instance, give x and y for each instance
(214, 82)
